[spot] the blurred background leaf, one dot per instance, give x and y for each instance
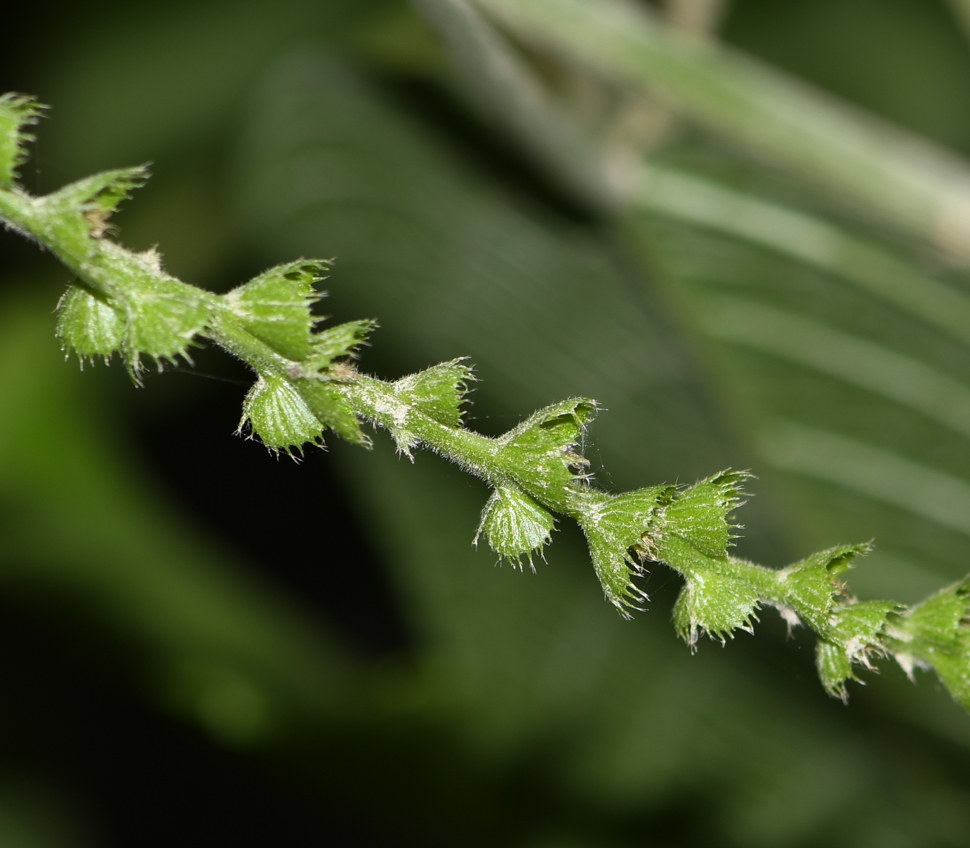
(204, 640)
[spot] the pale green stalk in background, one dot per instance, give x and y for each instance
(603, 163)
(897, 177)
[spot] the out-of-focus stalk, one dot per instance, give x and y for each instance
(894, 177)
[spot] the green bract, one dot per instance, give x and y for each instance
(542, 451)
(17, 112)
(88, 325)
(275, 306)
(307, 383)
(436, 392)
(515, 524)
(275, 411)
(621, 531)
(936, 634)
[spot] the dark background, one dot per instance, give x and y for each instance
(204, 643)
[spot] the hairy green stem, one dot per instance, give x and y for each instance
(306, 383)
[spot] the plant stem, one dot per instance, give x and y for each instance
(124, 302)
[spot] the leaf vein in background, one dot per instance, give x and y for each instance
(841, 355)
(876, 473)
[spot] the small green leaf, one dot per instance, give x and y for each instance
(276, 306)
(436, 392)
(939, 619)
(619, 530)
(337, 342)
(82, 209)
(854, 636)
(515, 525)
(858, 626)
(541, 451)
(439, 391)
(834, 668)
(333, 410)
(809, 587)
(953, 668)
(87, 325)
(936, 634)
(279, 416)
(159, 323)
(699, 513)
(848, 632)
(17, 112)
(163, 319)
(160, 315)
(720, 594)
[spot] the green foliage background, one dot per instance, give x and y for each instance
(202, 639)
